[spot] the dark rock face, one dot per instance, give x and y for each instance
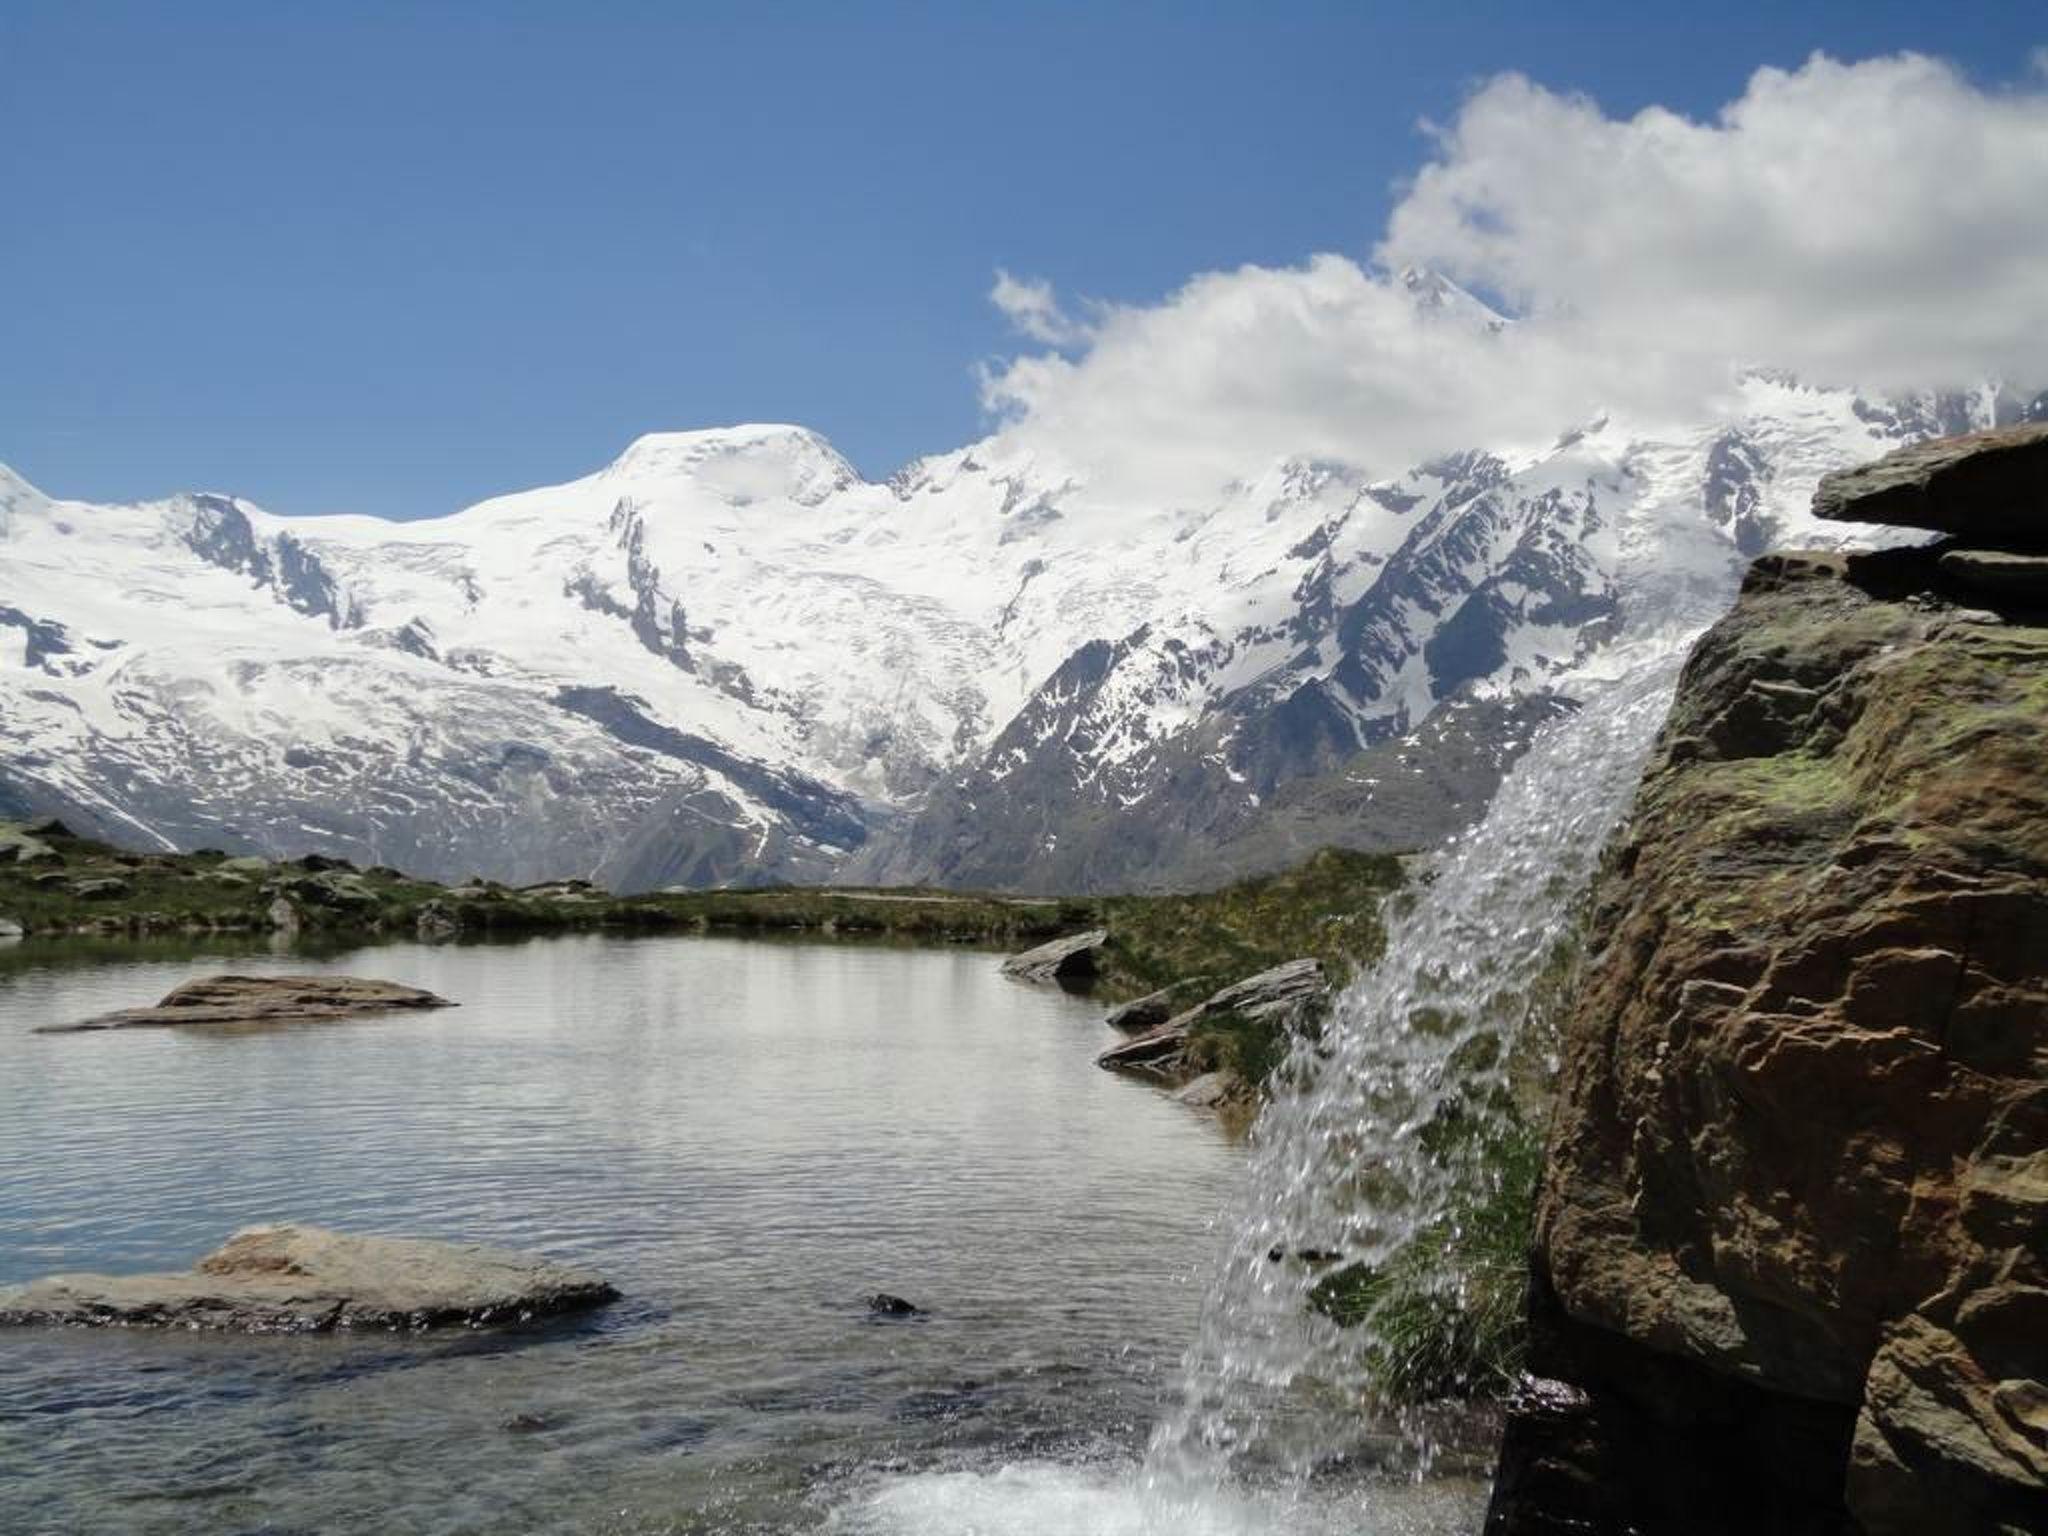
(295, 1279)
(261, 1000)
(1989, 486)
(1792, 1256)
(1070, 962)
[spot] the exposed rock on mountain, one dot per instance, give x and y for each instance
(725, 656)
(298, 1279)
(1792, 1260)
(1989, 485)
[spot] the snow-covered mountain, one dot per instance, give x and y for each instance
(727, 656)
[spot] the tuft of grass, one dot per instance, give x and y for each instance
(1445, 1317)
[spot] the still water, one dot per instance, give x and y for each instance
(747, 1138)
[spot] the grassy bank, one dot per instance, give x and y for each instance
(52, 882)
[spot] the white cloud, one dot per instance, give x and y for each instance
(1030, 305)
(1880, 223)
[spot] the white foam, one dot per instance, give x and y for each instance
(1052, 1499)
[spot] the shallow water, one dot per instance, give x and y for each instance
(748, 1138)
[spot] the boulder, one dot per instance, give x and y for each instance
(1791, 1264)
(338, 890)
(301, 1279)
(1142, 1013)
(882, 1304)
(262, 1000)
(1211, 1090)
(1990, 487)
(100, 888)
(1072, 961)
(437, 921)
(10, 928)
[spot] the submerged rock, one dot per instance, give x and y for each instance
(1791, 1269)
(882, 1304)
(1988, 486)
(299, 1279)
(247, 1000)
(1070, 961)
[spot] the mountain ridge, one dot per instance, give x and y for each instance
(725, 655)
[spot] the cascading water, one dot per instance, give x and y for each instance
(1349, 1161)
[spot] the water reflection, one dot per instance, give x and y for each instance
(748, 1138)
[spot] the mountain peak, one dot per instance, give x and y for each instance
(755, 461)
(1435, 294)
(17, 492)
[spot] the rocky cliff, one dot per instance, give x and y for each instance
(1791, 1271)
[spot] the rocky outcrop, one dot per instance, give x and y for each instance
(1986, 485)
(297, 1279)
(1282, 996)
(1071, 962)
(259, 1001)
(1791, 1270)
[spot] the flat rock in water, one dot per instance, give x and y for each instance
(1070, 959)
(1990, 487)
(297, 1279)
(260, 1000)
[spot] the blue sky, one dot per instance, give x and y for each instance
(396, 258)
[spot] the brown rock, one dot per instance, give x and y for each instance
(1990, 487)
(1792, 1247)
(262, 1000)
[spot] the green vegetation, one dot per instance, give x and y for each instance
(1445, 1316)
(52, 882)
(1328, 907)
(1193, 945)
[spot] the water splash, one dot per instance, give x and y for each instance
(1345, 1168)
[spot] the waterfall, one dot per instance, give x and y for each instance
(1350, 1159)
